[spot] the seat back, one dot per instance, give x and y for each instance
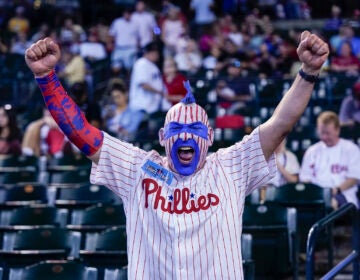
(35, 215)
(84, 196)
(24, 194)
(246, 252)
(311, 202)
(97, 215)
(43, 239)
(68, 170)
(107, 249)
(273, 239)
(113, 239)
(16, 169)
(54, 270)
(116, 274)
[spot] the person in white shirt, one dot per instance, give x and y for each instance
(125, 34)
(288, 165)
(147, 88)
(333, 162)
(146, 22)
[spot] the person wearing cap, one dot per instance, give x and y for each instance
(147, 88)
(183, 210)
(349, 113)
(236, 80)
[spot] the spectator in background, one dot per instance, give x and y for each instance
(74, 67)
(124, 32)
(119, 120)
(147, 88)
(79, 93)
(189, 59)
(19, 23)
(19, 43)
(214, 61)
(349, 35)
(237, 80)
(70, 32)
(43, 137)
(173, 28)
(92, 49)
(335, 20)
(147, 25)
(174, 81)
(263, 62)
(10, 133)
(42, 32)
(349, 114)
(332, 162)
(345, 61)
(288, 166)
(210, 37)
(203, 15)
(284, 59)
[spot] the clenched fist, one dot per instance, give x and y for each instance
(312, 52)
(42, 56)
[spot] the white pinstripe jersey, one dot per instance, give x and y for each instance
(190, 228)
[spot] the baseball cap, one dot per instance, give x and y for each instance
(152, 46)
(235, 63)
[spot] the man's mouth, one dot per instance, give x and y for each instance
(185, 154)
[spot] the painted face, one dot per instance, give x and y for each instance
(186, 136)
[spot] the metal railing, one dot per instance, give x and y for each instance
(353, 257)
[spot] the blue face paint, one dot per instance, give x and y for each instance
(196, 128)
(190, 168)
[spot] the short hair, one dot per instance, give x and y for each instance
(328, 117)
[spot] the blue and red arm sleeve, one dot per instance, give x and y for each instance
(68, 115)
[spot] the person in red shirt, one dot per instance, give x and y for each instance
(174, 81)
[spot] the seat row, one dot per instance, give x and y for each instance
(44, 251)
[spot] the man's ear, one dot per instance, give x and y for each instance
(210, 136)
(161, 137)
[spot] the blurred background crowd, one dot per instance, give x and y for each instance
(239, 56)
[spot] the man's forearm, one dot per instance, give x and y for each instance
(68, 115)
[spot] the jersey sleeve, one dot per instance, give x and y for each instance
(247, 163)
(118, 166)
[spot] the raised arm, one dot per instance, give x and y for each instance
(41, 58)
(312, 52)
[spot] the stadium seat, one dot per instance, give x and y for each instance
(273, 231)
(68, 170)
(246, 252)
(107, 249)
(22, 194)
(116, 274)
(97, 218)
(33, 216)
(26, 247)
(15, 169)
(81, 197)
(54, 270)
(311, 202)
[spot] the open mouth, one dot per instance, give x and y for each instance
(185, 154)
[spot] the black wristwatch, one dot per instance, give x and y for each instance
(309, 78)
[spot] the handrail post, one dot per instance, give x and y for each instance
(356, 242)
(319, 226)
(310, 251)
